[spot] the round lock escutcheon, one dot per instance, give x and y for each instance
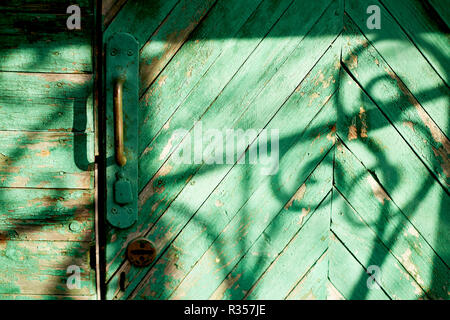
(141, 252)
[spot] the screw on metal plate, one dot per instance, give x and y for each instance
(141, 252)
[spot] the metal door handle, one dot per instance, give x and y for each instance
(122, 129)
(121, 159)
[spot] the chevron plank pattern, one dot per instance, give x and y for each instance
(358, 208)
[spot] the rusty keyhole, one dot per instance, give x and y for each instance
(141, 252)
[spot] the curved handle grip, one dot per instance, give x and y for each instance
(118, 122)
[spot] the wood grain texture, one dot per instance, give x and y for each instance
(40, 267)
(169, 37)
(41, 42)
(52, 102)
(391, 226)
(46, 160)
(428, 88)
(396, 101)
(401, 173)
(305, 248)
(59, 215)
(426, 30)
(362, 180)
(47, 150)
(266, 101)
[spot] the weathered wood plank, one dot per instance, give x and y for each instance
(235, 70)
(313, 286)
(195, 57)
(43, 43)
(110, 8)
(322, 78)
(382, 150)
(40, 267)
(397, 102)
(345, 271)
(307, 246)
(52, 102)
(410, 66)
(426, 30)
(394, 230)
(140, 18)
(35, 214)
(277, 235)
(46, 160)
(367, 248)
(252, 77)
(262, 199)
(169, 37)
(149, 199)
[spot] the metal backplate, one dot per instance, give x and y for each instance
(122, 60)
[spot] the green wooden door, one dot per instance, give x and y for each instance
(351, 200)
(46, 151)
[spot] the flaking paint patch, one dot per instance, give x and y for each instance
(227, 284)
(167, 147)
(219, 203)
(409, 124)
(304, 213)
(352, 133)
(443, 151)
(406, 261)
(333, 293)
(362, 117)
(377, 190)
(149, 189)
(332, 135)
(20, 181)
(298, 196)
(313, 96)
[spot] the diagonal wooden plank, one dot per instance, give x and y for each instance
(344, 271)
(393, 229)
(395, 100)
(243, 73)
(287, 86)
(425, 30)
(351, 230)
(169, 37)
(254, 216)
(197, 55)
(140, 18)
(67, 160)
(410, 66)
(40, 267)
(307, 246)
(173, 188)
(313, 285)
(321, 78)
(110, 8)
(377, 144)
(278, 233)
